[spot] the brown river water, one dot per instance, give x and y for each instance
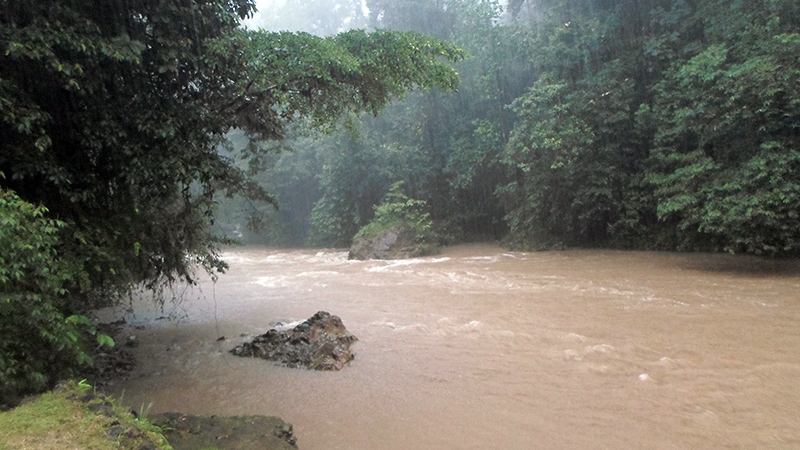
(480, 348)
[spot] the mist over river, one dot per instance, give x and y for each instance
(480, 348)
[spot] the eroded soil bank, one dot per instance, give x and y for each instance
(190, 432)
(181, 431)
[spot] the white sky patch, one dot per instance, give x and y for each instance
(264, 8)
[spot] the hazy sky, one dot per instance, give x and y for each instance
(265, 16)
(273, 16)
(263, 7)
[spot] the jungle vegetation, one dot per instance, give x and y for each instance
(647, 124)
(137, 136)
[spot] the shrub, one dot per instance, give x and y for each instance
(40, 342)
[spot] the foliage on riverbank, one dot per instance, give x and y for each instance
(74, 416)
(40, 342)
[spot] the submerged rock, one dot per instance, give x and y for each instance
(184, 431)
(320, 343)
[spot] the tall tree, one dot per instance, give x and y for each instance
(574, 149)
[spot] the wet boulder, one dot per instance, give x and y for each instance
(320, 343)
(397, 242)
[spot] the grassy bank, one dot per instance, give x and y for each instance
(73, 416)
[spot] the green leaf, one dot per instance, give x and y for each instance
(104, 339)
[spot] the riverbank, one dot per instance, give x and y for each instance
(75, 415)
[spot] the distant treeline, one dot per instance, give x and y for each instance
(648, 124)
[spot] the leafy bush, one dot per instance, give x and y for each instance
(40, 343)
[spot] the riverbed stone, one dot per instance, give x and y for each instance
(320, 343)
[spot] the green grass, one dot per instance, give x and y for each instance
(62, 420)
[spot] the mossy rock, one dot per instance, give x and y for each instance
(395, 242)
(189, 432)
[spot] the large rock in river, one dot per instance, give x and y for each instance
(321, 343)
(398, 242)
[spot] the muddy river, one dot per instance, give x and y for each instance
(480, 348)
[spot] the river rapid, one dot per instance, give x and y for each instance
(480, 348)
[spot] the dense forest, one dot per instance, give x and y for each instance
(137, 136)
(648, 124)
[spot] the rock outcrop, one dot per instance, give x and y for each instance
(397, 242)
(320, 343)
